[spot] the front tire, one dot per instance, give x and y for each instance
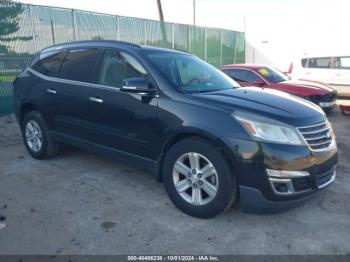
(198, 178)
(36, 137)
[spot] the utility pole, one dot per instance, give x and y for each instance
(194, 12)
(160, 10)
(161, 19)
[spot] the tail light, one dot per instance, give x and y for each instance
(290, 70)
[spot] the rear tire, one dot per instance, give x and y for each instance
(204, 192)
(36, 137)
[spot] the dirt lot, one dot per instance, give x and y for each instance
(79, 203)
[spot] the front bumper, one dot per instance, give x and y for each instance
(325, 101)
(257, 193)
(253, 201)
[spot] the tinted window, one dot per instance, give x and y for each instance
(342, 62)
(117, 66)
(189, 73)
(303, 62)
(321, 62)
(78, 65)
(242, 75)
(48, 63)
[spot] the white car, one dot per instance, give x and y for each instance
(334, 70)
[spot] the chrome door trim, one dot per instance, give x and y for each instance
(73, 82)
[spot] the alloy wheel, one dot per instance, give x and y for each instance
(33, 136)
(195, 178)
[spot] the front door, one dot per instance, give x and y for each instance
(118, 120)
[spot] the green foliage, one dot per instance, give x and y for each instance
(9, 23)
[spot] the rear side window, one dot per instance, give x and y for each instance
(117, 66)
(48, 63)
(342, 62)
(78, 65)
(303, 62)
(320, 62)
(242, 75)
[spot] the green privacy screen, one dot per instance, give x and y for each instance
(25, 29)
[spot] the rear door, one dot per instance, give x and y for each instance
(319, 69)
(342, 71)
(67, 94)
(118, 120)
(46, 67)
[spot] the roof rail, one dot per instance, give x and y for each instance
(91, 41)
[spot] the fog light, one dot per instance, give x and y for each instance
(286, 174)
(282, 186)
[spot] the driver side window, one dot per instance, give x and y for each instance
(117, 66)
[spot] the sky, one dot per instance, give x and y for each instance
(281, 30)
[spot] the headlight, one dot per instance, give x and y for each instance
(264, 129)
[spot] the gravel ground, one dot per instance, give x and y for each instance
(80, 203)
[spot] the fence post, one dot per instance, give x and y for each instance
(173, 36)
(145, 30)
(74, 26)
(189, 38)
(118, 27)
(236, 41)
(33, 29)
(205, 45)
(220, 48)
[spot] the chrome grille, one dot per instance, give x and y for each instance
(318, 136)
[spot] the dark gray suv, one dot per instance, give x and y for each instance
(172, 113)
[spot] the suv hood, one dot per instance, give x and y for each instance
(266, 102)
(303, 87)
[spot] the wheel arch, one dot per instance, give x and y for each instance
(25, 109)
(185, 133)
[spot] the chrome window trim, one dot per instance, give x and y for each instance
(73, 82)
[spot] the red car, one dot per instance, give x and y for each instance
(263, 76)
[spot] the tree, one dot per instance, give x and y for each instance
(9, 23)
(161, 18)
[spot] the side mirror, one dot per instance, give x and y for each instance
(137, 85)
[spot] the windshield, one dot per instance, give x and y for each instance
(190, 74)
(273, 75)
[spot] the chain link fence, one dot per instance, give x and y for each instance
(25, 29)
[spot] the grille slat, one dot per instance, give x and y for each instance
(317, 136)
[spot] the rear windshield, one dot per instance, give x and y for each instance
(272, 75)
(190, 74)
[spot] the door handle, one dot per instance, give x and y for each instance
(308, 72)
(51, 91)
(339, 74)
(96, 100)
